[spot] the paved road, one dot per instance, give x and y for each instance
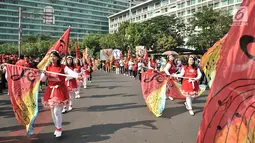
(111, 110)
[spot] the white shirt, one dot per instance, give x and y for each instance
(121, 63)
(140, 65)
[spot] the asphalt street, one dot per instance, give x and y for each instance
(110, 110)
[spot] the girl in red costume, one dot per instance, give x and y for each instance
(85, 70)
(117, 65)
(71, 84)
(170, 69)
(56, 93)
(126, 67)
(91, 70)
(79, 82)
(190, 86)
(152, 66)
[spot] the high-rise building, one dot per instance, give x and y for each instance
(52, 17)
(180, 8)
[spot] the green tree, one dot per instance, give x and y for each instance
(92, 42)
(207, 27)
(107, 41)
(165, 43)
(165, 25)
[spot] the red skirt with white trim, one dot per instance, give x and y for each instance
(55, 96)
(71, 85)
(189, 89)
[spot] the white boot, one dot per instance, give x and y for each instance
(64, 110)
(70, 108)
(58, 134)
(171, 98)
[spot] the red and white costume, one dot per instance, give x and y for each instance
(190, 87)
(85, 70)
(72, 88)
(79, 82)
(71, 82)
(152, 66)
(117, 66)
(56, 94)
(170, 69)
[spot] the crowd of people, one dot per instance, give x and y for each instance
(133, 67)
(60, 90)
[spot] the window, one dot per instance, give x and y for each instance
(48, 15)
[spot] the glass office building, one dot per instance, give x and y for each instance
(52, 17)
(180, 8)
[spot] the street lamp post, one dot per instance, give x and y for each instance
(20, 32)
(48, 18)
(130, 13)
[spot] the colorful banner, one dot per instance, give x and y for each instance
(139, 51)
(154, 91)
(105, 54)
(209, 61)
(116, 53)
(23, 87)
(229, 114)
(61, 46)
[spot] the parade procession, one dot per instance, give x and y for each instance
(114, 89)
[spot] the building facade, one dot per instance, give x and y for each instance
(180, 8)
(52, 17)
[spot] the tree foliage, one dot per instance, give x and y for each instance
(208, 26)
(160, 33)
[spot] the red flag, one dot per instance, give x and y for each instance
(61, 46)
(229, 114)
(145, 57)
(78, 54)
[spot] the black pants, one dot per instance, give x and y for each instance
(3, 81)
(130, 72)
(140, 75)
(134, 74)
(122, 70)
(1, 86)
(126, 71)
(90, 76)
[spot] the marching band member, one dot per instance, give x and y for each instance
(70, 83)
(56, 93)
(190, 86)
(79, 82)
(85, 70)
(170, 69)
(117, 66)
(152, 65)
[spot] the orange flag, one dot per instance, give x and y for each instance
(129, 54)
(229, 114)
(86, 54)
(61, 46)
